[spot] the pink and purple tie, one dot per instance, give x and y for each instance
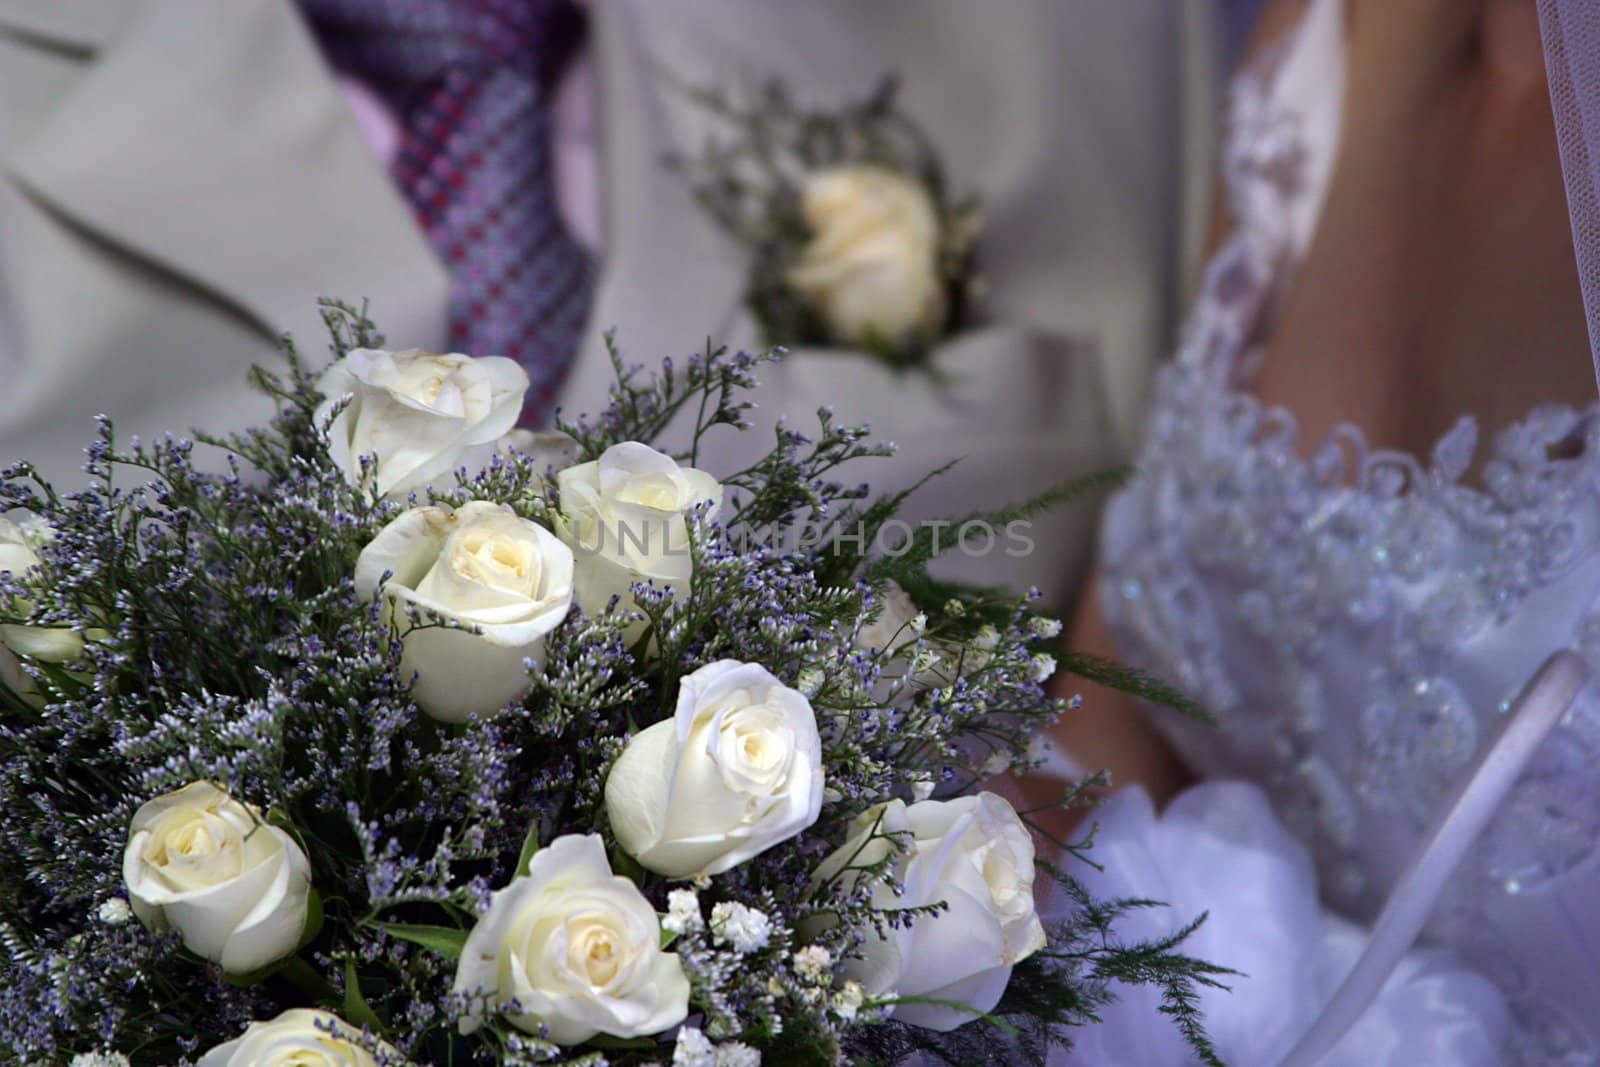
(472, 82)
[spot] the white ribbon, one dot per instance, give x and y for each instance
(1542, 704)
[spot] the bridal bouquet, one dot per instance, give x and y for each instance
(411, 739)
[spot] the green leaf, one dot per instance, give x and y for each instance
(313, 924)
(927, 544)
(357, 1011)
(292, 969)
(530, 845)
(1113, 675)
(801, 1044)
(628, 867)
(961, 1006)
(444, 940)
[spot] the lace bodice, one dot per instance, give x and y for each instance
(1358, 620)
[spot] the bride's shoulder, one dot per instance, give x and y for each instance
(1255, 99)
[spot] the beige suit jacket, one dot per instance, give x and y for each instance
(179, 180)
(1086, 128)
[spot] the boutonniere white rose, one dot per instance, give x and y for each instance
(487, 587)
(19, 557)
(300, 1037)
(974, 855)
(575, 948)
(416, 413)
(235, 889)
(625, 516)
(871, 267)
(852, 237)
(735, 771)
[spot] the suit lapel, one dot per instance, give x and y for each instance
(72, 25)
(209, 140)
(669, 277)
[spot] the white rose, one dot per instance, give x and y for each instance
(735, 771)
(894, 631)
(972, 853)
(19, 543)
(300, 1037)
(577, 948)
(481, 566)
(233, 887)
(624, 516)
(417, 412)
(897, 623)
(871, 268)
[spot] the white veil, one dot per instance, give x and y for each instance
(1571, 32)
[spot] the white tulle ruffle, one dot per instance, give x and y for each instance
(1219, 849)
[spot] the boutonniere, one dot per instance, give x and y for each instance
(853, 235)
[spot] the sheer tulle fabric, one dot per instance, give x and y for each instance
(1571, 30)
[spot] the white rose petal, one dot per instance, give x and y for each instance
(973, 854)
(234, 888)
(893, 633)
(300, 1037)
(742, 928)
(481, 566)
(19, 542)
(871, 268)
(417, 412)
(577, 949)
(624, 515)
(737, 770)
(896, 624)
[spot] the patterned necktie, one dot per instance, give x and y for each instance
(472, 82)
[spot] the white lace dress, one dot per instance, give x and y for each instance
(1357, 622)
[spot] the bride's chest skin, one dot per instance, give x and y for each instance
(1440, 280)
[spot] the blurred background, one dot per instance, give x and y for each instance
(182, 179)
